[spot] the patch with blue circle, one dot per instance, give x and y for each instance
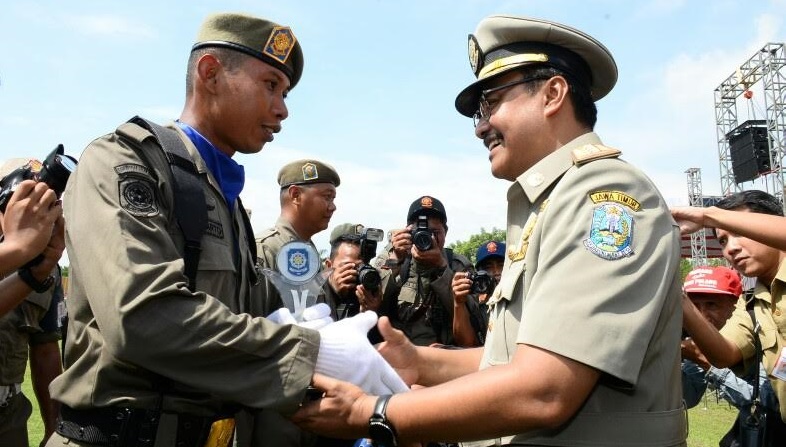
(611, 232)
(297, 262)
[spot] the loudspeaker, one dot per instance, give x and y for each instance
(750, 151)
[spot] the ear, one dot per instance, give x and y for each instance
(556, 93)
(328, 263)
(209, 70)
(295, 194)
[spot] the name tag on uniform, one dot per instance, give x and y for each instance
(780, 367)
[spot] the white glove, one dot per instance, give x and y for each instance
(346, 354)
(314, 317)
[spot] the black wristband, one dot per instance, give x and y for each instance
(379, 427)
(27, 277)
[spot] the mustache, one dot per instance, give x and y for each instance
(491, 136)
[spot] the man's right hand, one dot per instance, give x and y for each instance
(29, 223)
(461, 286)
(344, 278)
(402, 242)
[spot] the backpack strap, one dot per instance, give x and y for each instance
(190, 205)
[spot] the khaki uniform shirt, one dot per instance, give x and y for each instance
(425, 303)
(269, 427)
(269, 244)
(770, 311)
(24, 326)
(595, 278)
(132, 317)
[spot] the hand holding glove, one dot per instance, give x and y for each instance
(314, 317)
(346, 354)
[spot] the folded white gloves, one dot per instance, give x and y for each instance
(314, 317)
(346, 354)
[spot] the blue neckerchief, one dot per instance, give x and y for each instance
(230, 176)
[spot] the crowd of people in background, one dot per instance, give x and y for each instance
(206, 341)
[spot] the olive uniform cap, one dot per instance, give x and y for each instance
(348, 231)
(503, 43)
(269, 42)
(307, 172)
(429, 206)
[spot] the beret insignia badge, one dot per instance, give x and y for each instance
(426, 202)
(473, 49)
(491, 247)
(310, 172)
(280, 43)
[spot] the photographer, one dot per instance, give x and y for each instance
(425, 301)
(471, 292)
(354, 285)
(32, 225)
(29, 327)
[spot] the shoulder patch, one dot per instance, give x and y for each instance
(611, 232)
(138, 196)
(132, 168)
(616, 197)
(592, 152)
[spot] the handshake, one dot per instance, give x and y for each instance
(344, 350)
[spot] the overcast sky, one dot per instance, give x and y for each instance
(376, 96)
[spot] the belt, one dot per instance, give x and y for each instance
(9, 391)
(128, 427)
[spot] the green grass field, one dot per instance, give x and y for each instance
(707, 422)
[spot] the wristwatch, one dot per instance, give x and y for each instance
(379, 428)
(39, 286)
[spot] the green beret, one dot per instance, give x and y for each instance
(503, 43)
(346, 231)
(306, 172)
(260, 38)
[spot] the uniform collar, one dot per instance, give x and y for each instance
(540, 177)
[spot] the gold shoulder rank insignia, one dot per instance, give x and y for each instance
(592, 152)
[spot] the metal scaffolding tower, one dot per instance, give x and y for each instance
(766, 66)
(698, 240)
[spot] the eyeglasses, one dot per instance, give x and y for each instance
(485, 109)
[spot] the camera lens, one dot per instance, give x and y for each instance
(422, 240)
(482, 282)
(369, 277)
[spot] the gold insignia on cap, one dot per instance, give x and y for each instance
(615, 196)
(474, 54)
(426, 202)
(507, 62)
(491, 247)
(280, 43)
(358, 229)
(310, 172)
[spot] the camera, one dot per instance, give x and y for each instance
(482, 282)
(368, 276)
(422, 234)
(54, 171)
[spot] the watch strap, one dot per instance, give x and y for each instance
(27, 277)
(381, 430)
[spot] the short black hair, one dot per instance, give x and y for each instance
(752, 200)
(585, 110)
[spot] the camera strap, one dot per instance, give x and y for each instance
(190, 205)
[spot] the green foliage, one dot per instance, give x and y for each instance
(470, 247)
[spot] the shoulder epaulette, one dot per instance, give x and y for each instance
(592, 152)
(133, 132)
(266, 234)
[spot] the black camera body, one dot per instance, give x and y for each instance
(368, 276)
(422, 234)
(482, 282)
(54, 171)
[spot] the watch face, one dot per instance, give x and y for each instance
(382, 434)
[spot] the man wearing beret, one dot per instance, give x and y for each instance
(470, 308)
(424, 301)
(307, 190)
(155, 354)
(583, 340)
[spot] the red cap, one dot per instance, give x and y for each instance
(722, 280)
